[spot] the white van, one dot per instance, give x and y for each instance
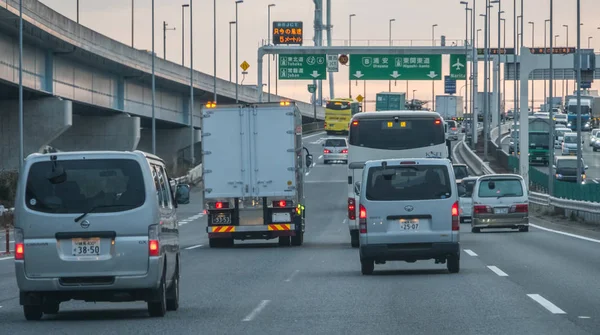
(96, 226)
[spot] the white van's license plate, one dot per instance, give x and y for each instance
(86, 246)
(409, 225)
(501, 211)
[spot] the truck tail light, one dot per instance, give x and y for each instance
(282, 203)
(362, 216)
(351, 209)
(455, 219)
(221, 205)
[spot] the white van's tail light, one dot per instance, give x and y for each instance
(521, 208)
(351, 209)
(19, 244)
(455, 220)
(362, 217)
(482, 209)
(153, 244)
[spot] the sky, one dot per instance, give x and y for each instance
(370, 26)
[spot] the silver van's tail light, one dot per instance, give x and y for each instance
(455, 218)
(362, 217)
(153, 243)
(19, 244)
(520, 208)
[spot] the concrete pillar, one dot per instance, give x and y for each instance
(44, 120)
(93, 133)
(169, 145)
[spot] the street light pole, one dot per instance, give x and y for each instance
(389, 81)
(499, 102)
(467, 9)
(21, 125)
(236, 50)
(153, 87)
(183, 7)
(517, 109)
(549, 102)
(578, 68)
(533, 46)
(269, 57)
(475, 82)
(433, 82)
(192, 137)
(566, 84)
(230, 54)
(215, 51)
(505, 61)
(486, 88)
(132, 20)
(165, 25)
(77, 11)
(545, 44)
(350, 44)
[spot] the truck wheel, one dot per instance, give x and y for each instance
(298, 239)
(284, 241)
(354, 241)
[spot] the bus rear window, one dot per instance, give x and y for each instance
(396, 135)
(337, 105)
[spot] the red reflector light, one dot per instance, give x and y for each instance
(481, 209)
(408, 163)
(453, 128)
(455, 219)
(326, 151)
(362, 223)
(153, 247)
(344, 151)
(355, 123)
(19, 251)
(351, 209)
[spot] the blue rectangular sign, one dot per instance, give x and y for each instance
(449, 85)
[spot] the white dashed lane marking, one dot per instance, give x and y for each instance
(191, 219)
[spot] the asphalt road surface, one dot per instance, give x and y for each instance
(540, 282)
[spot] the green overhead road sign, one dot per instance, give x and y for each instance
(302, 67)
(395, 67)
(458, 67)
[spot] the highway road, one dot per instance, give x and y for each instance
(591, 158)
(540, 282)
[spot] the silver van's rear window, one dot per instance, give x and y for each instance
(335, 143)
(99, 185)
(500, 188)
(411, 182)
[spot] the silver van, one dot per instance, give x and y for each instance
(409, 211)
(96, 226)
(500, 201)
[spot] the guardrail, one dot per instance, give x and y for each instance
(194, 176)
(587, 210)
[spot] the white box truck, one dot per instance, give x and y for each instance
(254, 167)
(450, 107)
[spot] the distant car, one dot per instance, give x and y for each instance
(559, 134)
(594, 136)
(510, 115)
(566, 168)
(561, 119)
(465, 191)
(513, 145)
(500, 201)
(452, 130)
(335, 149)
(569, 146)
(461, 171)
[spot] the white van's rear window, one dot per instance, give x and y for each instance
(411, 182)
(500, 188)
(97, 185)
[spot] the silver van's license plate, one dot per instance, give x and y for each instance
(86, 246)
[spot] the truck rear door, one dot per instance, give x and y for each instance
(225, 152)
(272, 141)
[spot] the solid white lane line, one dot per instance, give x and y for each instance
(581, 317)
(345, 220)
(193, 247)
(470, 252)
(566, 234)
(6, 258)
(257, 310)
(546, 304)
(292, 276)
(497, 271)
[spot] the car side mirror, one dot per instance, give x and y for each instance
(554, 167)
(182, 194)
(586, 167)
(323, 145)
(309, 160)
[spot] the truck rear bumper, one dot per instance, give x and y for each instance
(261, 232)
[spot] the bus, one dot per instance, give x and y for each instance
(387, 135)
(338, 113)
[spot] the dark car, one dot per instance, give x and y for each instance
(566, 168)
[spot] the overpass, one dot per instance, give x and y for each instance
(83, 90)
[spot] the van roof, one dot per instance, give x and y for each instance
(501, 176)
(397, 161)
(388, 114)
(36, 157)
